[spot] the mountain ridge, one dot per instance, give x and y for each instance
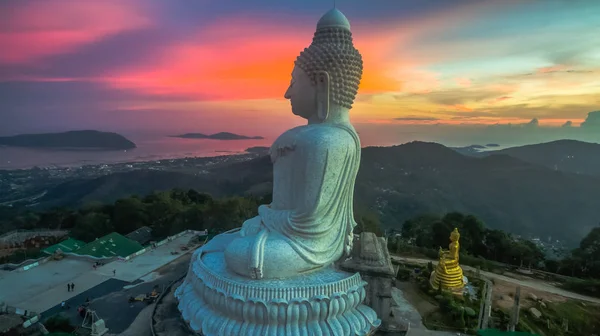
(567, 155)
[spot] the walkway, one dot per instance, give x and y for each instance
(143, 264)
(110, 300)
(19, 287)
(535, 284)
(45, 286)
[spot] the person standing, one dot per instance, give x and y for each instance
(72, 286)
(68, 287)
(114, 272)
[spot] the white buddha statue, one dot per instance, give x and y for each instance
(271, 276)
(310, 222)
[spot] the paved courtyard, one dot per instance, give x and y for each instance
(17, 287)
(45, 286)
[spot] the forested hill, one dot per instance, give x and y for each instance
(87, 139)
(564, 155)
(401, 182)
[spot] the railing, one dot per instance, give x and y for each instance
(12, 267)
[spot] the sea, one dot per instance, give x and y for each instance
(154, 147)
(151, 148)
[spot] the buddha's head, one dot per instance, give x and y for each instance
(455, 236)
(326, 75)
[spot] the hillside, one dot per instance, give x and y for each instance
(565, 155)
(88, 139)
(401, 182)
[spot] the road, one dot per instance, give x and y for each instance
(535, 284)
(110, 299)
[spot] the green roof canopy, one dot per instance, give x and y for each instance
(111, 245)
(69, 245)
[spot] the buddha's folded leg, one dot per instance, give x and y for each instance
(220, 242)
(281, 261)
(251, 226)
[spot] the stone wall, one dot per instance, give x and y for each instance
(19, 236)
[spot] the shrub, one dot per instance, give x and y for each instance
(470, 311)
(59, 323)
(589, 287)
(403, 274)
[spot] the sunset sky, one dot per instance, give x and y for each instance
(208, 66)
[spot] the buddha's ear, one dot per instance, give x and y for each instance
(322, 94)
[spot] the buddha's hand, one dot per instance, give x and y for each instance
(251, 226)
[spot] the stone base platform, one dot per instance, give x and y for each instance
(217, 302)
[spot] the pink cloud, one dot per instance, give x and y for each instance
(31, 30)
(464, 82)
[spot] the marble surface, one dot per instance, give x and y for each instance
(214, 262)
(215, 301)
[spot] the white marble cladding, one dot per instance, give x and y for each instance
(327, 302)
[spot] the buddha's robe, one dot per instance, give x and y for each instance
(310, 221)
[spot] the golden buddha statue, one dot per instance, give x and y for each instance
(448, 274)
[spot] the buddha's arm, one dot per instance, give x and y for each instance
(325, 164)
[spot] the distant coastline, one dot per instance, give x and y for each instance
(217, 136)
(89, 140)
(148, 148)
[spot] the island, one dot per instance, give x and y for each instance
(217, 136)
(258, 150)
(71, 140)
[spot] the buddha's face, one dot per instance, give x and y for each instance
(454, 236)
(302, 94)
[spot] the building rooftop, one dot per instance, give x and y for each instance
(111, 245)
(69, 245)
(142, 235)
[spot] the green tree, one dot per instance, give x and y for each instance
(54, 218)
(197, 197)
(129, 214)
(440, 234)
(92, 225)
(496, 242)
(368, 222)
(161, 211)
(472, 231)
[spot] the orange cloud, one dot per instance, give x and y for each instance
(43, 28)
(462, 108)
(550, 69)
(226, 65)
